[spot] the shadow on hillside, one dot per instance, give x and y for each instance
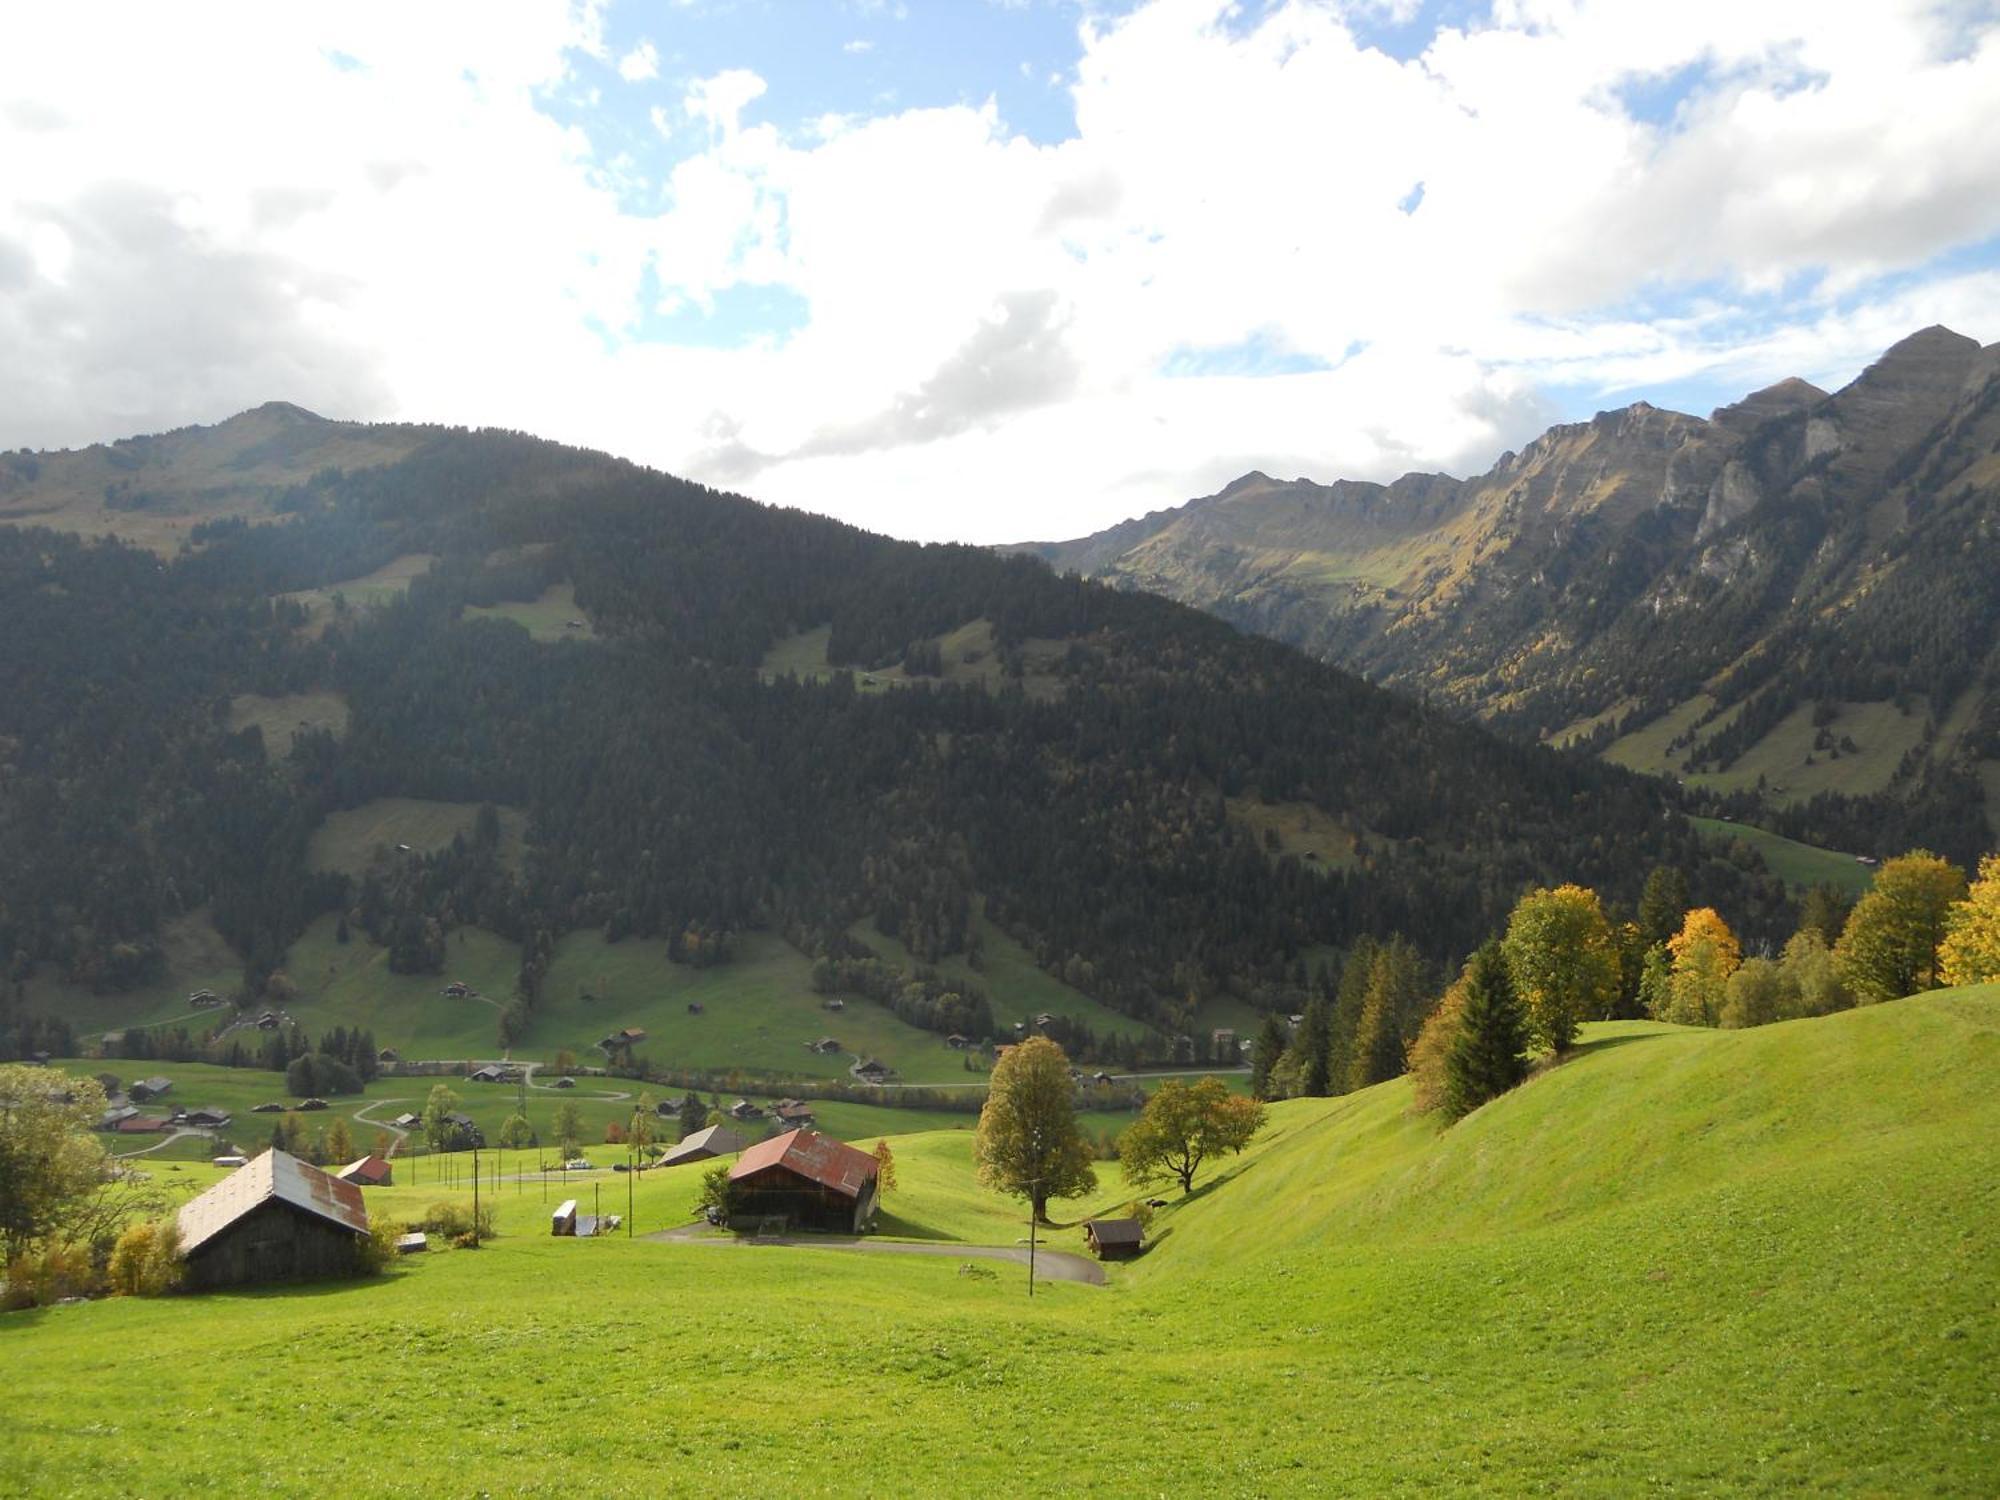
(898, 1227)
(1606, 1043)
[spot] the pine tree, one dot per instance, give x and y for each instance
(1315, 1051)
(1270, 1046)
(1348, 1000)
(1661, 904)
(1489, 1056)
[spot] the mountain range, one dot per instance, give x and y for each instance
(284, 672)
(1793, 603)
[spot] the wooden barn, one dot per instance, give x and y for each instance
(276, 1219)
(811, 1181)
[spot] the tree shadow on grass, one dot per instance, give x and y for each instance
(896, 1226)
(1606, 1043)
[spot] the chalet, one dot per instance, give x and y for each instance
(463, 1134)
(826, 1046)
(388, 1055)
(312, 1104)
(564, 1083)
(668, 1109)
(1222, 1039)
(1115, 1239)
(149, 1089)
(694, 1007)
(370, 1171)
(138, 1124)
(267, 1108)
(276, 1219)
(1045, 1020)
(743, 1109)
(268, 1021)
(957, 1043)
(208, 1118)
(202, 999)
(717, 1140)
(1101, 1078)
(871, 1071)
(113, 1119)
(793, 1112)
(458, 989)
(834, 1003)
(488, 1074)
(404, 1121)
(810, 1181)
(618, 1041)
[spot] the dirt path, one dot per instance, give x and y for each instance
(165, 1140)
(1050, 1265)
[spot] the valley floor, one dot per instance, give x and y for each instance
(1682, 1262)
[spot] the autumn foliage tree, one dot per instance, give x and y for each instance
(1703, 954)
(885, 1168)
(1889, 947)
(1027, 1143)
(1183, 1125)
(1971, 950)
(1564, 961)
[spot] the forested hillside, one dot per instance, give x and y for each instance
(200, 716)
(1794, 604)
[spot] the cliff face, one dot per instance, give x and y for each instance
(1794, 546)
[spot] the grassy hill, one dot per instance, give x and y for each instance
(1686, 1261)
(1798, 865)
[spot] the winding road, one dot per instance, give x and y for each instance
(1050, 1265)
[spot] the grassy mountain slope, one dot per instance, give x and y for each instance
(1691, 1261)
(1792, 600)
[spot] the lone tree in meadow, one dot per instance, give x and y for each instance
(438, 1128)
(1889, 947)
(516, 1133)
(1563, 960)
(1488, 1055)
(885, 1169)
(1971, 950)
(1183, 1125)
(569, 1127)
(1027, 1143)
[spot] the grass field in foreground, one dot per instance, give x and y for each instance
(1685, 1262)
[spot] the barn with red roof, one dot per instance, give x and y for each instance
(809, 1180)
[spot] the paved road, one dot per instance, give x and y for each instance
(1050, 1265)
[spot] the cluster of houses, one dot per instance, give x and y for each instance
(123, 1115)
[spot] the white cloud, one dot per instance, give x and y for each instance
(640, 64)
(996, 334)
(857, 47)
(722, 99)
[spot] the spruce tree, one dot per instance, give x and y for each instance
(1662, 903)
(1315, 1051)
(1489, 1056)
(1347, 1004)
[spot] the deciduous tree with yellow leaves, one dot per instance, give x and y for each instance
(1970, 953)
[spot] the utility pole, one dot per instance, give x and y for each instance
(475, 1197)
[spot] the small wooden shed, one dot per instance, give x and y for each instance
(1115, 1239)
(563, 1220)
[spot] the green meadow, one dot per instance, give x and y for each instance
(1798, 865)
(1695, 1262)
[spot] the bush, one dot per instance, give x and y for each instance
(39, 1278)
(378, 1251)
(146, 1261)
(454, 1221)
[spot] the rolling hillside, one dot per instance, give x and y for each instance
(350, 698)
(1792, 601)
(1688, 1261)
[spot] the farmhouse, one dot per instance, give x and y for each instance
(957, 1042)
(871, 1071)
(208, 1117)
(810, 1181)
(404, 1121)
(276, 1219)
(114, 1119)
(564, 1083)
(667, 1109)
(743, 1109)
(826, 1046)
(463, 1134)
(138, 1124)
(793, 1112)
(834, 1003)
(1114, 1239)
(487, 1074)
(717, 1140)
(370, 1171)
(147, 1089)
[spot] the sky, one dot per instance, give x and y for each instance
(983, 270)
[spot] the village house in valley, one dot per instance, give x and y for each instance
(276, 1219)
(716, 1140)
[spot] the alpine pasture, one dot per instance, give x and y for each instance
(1683, 1260)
